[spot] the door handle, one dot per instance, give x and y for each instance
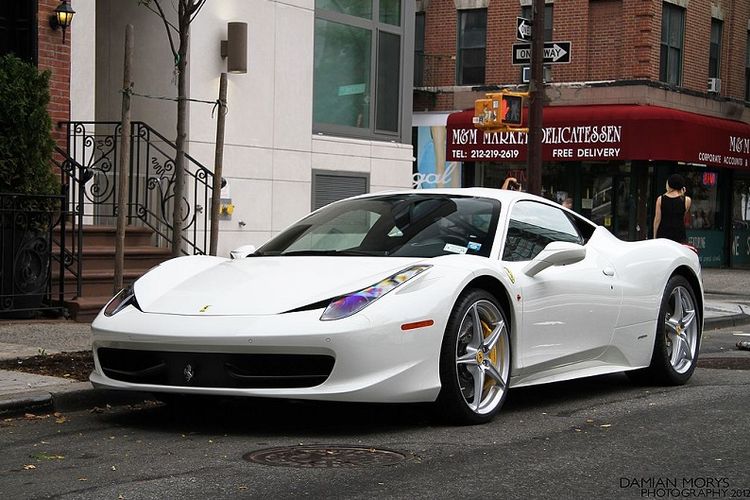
(608, 271)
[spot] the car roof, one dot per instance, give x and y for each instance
(505, 195)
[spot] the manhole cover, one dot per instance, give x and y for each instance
(725, 363)
(325, 456)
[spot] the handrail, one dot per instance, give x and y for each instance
(93, 146)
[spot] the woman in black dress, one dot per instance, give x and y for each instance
(669, 220)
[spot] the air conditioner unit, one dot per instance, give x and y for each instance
(714, 85)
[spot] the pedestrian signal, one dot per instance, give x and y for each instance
(499, 111)
(510, 110)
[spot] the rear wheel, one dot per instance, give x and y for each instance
(678, 336)
(474, 359)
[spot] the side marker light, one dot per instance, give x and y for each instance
(417, 324)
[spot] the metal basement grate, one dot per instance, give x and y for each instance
(322, 456)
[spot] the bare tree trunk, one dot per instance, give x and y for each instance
(122, 185)
(178, 216)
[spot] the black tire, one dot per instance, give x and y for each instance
(463, 368)
(677, 328)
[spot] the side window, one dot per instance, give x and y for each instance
(533, 226)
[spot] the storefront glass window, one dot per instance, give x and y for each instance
(597, 195)
(740, 247)
(704, 224)
(702, 187)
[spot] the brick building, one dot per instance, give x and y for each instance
(652, 87)
(26, 32)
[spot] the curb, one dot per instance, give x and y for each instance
(25, 402)
(726, 321)
(73, 397)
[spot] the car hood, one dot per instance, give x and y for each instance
(206, 286)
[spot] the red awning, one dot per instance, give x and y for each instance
(609, 132)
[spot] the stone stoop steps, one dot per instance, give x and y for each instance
(98, 257)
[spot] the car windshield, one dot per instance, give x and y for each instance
(407, 225)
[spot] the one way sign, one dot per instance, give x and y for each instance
(554, 53)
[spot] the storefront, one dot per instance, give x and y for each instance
(613, 161)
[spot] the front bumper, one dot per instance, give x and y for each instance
(373, 359)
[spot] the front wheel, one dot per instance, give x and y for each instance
(678, 335)
(474, 359)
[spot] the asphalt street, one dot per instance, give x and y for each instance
(600, 437)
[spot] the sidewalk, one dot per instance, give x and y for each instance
(727, 304)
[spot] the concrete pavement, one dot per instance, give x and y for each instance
(727, 304)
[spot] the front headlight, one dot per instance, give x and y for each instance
(350, 304)
(123, 299)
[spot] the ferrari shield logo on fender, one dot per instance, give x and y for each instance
(204, 308)
(188, 373)
(511, 277)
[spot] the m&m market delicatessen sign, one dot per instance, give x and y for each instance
(609, 132)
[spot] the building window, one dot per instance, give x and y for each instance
(714, 55)
(18, 29)
(472, 43)
(330, 186)
(357, 85)
(419, 49)
(672, 32)
(526, 13)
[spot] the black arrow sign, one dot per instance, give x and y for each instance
(554, 53)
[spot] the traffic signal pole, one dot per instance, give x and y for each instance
(537, 98)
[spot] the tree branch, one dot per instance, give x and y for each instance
(167, 25)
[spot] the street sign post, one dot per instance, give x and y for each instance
(523, 29)
(554, 53)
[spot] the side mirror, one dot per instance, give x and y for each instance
(557, 253)
(242, 252)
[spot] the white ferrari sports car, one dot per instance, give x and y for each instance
(451, 296)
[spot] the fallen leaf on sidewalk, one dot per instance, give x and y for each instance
(29, 467)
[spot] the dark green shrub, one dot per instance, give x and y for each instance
(26, 143)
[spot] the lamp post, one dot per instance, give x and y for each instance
(62, 18)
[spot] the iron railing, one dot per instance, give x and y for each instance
(29, 257)
(93, 148)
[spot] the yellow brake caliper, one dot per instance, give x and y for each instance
(489, 381)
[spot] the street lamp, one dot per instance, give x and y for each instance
(62, 17)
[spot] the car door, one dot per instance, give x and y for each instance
(568, 312)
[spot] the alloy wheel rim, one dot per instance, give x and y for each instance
(483, 357)
(681, 329)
